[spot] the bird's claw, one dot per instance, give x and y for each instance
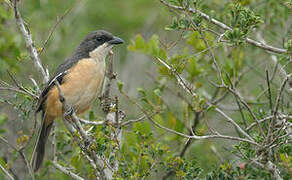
(69, 111)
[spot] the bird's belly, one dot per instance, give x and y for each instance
(81, 86)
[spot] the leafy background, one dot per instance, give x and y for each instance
(145, 25)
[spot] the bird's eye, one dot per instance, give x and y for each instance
(99, 38)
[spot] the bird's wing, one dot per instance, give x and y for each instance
(61, 71)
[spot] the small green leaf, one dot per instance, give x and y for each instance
(157, 92)
(210, 108)
(141, 91)
(3, 119)
(2, 131)
(120, 85)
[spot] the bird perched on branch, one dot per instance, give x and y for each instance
(81, 79)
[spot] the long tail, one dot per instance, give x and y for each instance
(39, 148)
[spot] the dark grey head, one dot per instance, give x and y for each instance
(95, 39)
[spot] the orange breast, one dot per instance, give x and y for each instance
(81, 86)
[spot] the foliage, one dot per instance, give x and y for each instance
(9, 47)
(216, 106)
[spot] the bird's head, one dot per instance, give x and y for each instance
(98, 42)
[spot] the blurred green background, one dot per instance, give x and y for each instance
(126, 19)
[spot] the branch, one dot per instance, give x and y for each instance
(225, 27)
(95, 123)
(234, 123)
(276, 108)
(274, 170)
(66, 171)
(113, 116)
(181, 81)
(59, 20)
(208, 47)
(188, 88)
(69, 114)
(20, 151)
(133, 120)
(27, 164)
(85, 141)
(9, 176)
(218, 136)
(29, 43)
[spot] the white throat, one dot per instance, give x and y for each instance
(100, 53)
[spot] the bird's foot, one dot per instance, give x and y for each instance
(69, 111)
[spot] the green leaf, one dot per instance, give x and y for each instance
(141, 91)
(3, 119)
(120, 85)
(193, 67)
(157, 92)
(91, 116)
(210, 108)
(142, 127)
(2, 131)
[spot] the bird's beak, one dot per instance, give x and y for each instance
(116, 40)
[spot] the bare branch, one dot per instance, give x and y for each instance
(240, 98)
(188, 88)
(276, 108)
(133, 121)
(234, 123)
(29, 43)
(274, 170)
(20, 151)
(66, 171)
(27, 164)
(181, 81)
(218, 136)
(95, 123)
(9, 176)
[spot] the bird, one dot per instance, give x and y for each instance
(81, 80)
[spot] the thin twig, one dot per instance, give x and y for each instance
(269, 91)
(133, 121)
(240, 98)
(20, 151)
(276, 108)
(198, 28)
(188, 88)
(27, 164)
(59, 20)
(218, 136)
(181, 81)
(95, 123)
(66, 171)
